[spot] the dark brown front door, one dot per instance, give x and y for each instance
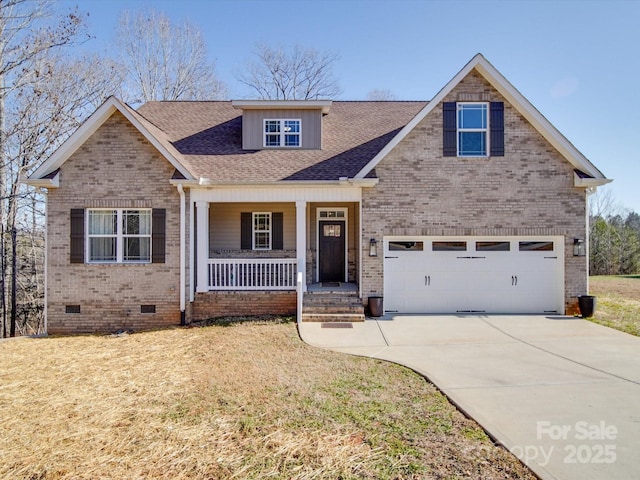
(332, 249)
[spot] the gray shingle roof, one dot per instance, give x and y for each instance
(208, 137)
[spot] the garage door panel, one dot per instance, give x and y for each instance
(467, 274)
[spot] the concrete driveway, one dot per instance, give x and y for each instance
(561, 393)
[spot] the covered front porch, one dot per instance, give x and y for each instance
(250, 245)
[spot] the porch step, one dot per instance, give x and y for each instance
(332, 307)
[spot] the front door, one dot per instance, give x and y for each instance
(332, 250)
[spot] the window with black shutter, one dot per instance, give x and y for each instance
(77, 236)
(261, 231)
(472, 129)
(117, 235)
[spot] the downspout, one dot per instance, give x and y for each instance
(182, 254)
(45, 192)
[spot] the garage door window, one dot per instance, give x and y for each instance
(406, 246)
(536, 246)
(449, 246)
(493, 246)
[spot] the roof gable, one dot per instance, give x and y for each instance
(153, 134)
(516, 99)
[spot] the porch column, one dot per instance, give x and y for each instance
(301, 241)
(202, 246)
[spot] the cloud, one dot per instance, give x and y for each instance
(564, 87)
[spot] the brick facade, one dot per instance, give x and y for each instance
(529, 191)
(115, 168)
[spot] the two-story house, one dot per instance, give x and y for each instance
(182, 211)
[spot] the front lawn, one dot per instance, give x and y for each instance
(618, 302)
(248, 400)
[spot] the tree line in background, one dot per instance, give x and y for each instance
(47, 90)
(614, 237)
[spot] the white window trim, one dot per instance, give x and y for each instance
(282, 133)
(119, 236)
(487, 147)
(254, 231)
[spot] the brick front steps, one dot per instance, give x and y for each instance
(332, 306)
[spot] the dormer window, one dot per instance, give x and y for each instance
(281, 133)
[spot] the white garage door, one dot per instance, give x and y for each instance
(474, 275)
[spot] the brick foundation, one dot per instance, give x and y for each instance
(238, 304)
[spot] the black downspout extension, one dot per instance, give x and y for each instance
(183, 317)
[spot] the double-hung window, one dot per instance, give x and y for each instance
(282, 133)
(119, 235)
(473, 129)
(261, 231)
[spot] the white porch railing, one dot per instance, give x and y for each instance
(253, 274)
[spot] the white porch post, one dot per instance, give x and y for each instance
(301, 241)
(202, 246)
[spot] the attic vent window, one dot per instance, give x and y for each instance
(281, 133)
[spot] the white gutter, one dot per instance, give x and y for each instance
(182, 252)
(192, 261)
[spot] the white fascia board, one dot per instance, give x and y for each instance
(323, 105)
(277, 193)
(589, 182)
(89, 127)
(515, 98)
(345, 182)
(41, 182)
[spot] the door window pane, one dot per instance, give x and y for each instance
(493, 246)
(536, 246)
(406, 246)
(449, 246)
(331, 230)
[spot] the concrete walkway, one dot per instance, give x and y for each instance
(561, 393)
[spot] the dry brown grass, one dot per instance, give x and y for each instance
(244, 401)
(618, 302)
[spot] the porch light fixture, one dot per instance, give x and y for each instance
(579, 248)
(373, 248)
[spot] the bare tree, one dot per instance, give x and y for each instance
(381, 94)
(299, 74)
(30, 34)
(165, 61)
(45, 96)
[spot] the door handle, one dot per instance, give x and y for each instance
(514, 280)
(427, 280)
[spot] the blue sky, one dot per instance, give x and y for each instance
(577, 61)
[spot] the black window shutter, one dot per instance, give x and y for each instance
(277, 231)
(158, 235)
(245, 230)
(76, 250)
(449, 130)
(496, 126)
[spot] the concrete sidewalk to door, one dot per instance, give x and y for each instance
(561, 393)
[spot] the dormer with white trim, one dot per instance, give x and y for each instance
(282, 124)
